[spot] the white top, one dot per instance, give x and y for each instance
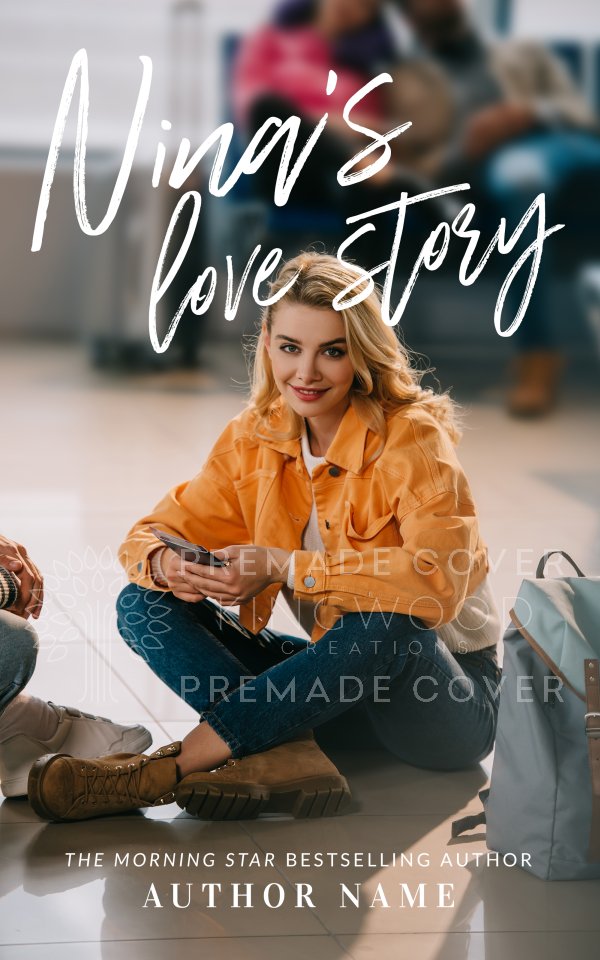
(304, 610)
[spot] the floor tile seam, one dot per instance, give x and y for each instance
(290, 883)
(464, 933)
(568, 931)
(239, 936)
(117, 818)
(336, 939)
(163, 820)
(379, 815)
(91, 643)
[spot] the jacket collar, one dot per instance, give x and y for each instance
(347, 449)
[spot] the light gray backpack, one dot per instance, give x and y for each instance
(544, 795)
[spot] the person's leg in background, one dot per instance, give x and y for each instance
(317, 191)
(18, 655)
(317, 183)
(542, 162)
(31, 727)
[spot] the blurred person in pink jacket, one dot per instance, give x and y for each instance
(282, 70)
(291, 57)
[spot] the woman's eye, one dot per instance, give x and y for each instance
(333, 352)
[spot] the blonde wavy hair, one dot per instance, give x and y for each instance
(384, 378)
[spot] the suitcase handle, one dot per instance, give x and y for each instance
(544, 560)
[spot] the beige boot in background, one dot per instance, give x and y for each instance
(537, 376)
(69, 788)
(294, 777)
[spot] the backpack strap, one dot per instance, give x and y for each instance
(592, 729)
(467, 823)
(475, 820)
(544, 560)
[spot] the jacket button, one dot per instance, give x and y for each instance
(140, 567)
(334, 471)
(327, 524)
(309, 581)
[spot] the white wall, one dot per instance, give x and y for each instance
(554, 19)
(47, 292)
(39, 38)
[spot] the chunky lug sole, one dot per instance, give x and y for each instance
(310, 797)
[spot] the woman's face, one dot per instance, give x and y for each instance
(309, 357)
(344, 16)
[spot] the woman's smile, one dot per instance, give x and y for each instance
(307, 394)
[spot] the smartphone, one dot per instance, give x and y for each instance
(190, 552)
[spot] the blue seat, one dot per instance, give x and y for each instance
(280, 225)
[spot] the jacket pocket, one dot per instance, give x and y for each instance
(252, 491)
(372, 530)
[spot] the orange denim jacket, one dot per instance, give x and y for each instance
(400, 533)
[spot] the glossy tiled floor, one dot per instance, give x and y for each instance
(83, 456)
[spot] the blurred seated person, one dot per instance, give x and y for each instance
(30, 727)
(505, 117)
(282, 70)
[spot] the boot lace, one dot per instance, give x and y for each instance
(120, 782)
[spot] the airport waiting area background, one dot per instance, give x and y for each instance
(99, 426)
(62, 292)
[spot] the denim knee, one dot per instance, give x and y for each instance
(18, 640)
(18, 654)
(432, 751)
(139, 612)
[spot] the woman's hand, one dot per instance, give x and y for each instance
(250, 569)
(13, 556)
(173, 568)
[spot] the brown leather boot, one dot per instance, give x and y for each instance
(535, 391)
(61, 787)
(294, 777)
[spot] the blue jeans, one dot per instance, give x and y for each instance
(18, 654)
(429, 707)
(541, 162)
